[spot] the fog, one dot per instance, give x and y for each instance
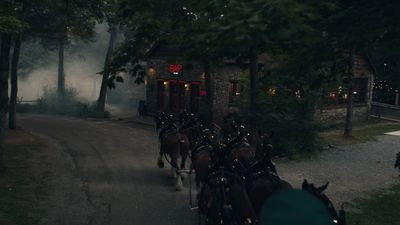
(82, 63)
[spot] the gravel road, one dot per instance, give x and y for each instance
(351, 170)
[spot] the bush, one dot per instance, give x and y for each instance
(294, 128)
(52, 102)
(290, 119)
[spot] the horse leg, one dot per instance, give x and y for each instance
(160, 162)
(179, 184)
(183, 166)
(173, 172)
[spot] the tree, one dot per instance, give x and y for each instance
(8, 25)
(4, 71)
(14, 83)
(101, 101)
(20, 13)
(57, 22)
(109, 10)
(243, 30)
(360, 26)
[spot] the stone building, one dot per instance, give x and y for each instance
(173, 85)
(363, 85)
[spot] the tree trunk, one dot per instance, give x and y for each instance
(210, 94)
(4, 73)
(253, 98)
(348, 128)
(61, 74)
(14, 83)
(101, 101)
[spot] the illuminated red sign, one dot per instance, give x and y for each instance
(175, 68)
(203, 93)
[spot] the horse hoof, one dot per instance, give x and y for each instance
(178, 188)
(160, 164)
(184, 176)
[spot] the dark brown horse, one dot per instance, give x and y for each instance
(338, 218)
(200, 149)
(174, 145)
(262, 186)
(262, 179)
(236, 142)
(223, 198)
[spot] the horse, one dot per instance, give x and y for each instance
(262, 179)
(239, 147)
(338, 218)
(223, 198)
(201, 145)
(174, 144)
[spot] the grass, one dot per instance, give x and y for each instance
(24, 186)
(380, 208)
(361, 133)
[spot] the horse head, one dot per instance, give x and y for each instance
(318, 192)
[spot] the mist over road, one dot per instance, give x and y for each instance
(117, 166)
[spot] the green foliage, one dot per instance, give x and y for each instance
(52, 102)
(55, 20)
(33, 56)
(290, 119)
(9, 21)
(10, 24)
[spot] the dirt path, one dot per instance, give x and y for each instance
(115, 166)
(351, 170)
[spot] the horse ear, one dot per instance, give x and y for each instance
(323, 188)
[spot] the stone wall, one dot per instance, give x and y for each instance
(222, 91)
(337, 115)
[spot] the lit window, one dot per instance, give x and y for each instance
(234, 91)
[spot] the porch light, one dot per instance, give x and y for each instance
(187, 87)
(151, 71)
(203, 76)
(271, 91)
(165, 83)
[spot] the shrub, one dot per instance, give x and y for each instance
(68, 104)
(290, 119)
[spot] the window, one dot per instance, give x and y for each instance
(340, 95)
(360, 90)
(234, 91)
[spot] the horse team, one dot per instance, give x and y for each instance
(233, 179)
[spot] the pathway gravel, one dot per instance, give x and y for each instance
(351, 170)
